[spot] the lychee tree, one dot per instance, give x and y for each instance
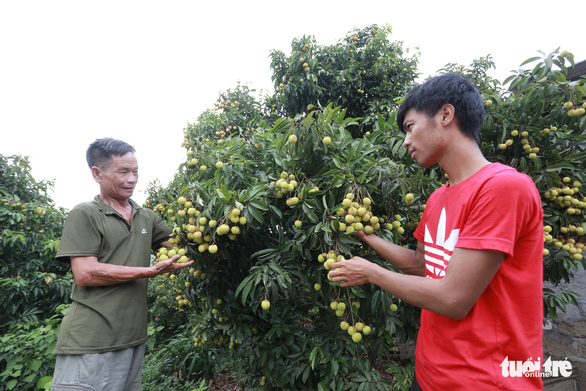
(264, 227)
(32, 284)
(359, 72)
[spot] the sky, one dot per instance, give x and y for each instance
(140, 71)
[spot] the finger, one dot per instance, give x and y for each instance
(335, 265)
(335, 273)
(185, 264)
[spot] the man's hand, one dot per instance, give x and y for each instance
(361, 235)
(170, 265)
(354, 271)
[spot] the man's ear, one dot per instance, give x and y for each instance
(447, 114)
(97, 173)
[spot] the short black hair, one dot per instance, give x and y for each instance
(450, 88)
(102, 150)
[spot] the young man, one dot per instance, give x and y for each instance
(108, 242)
(477, 271)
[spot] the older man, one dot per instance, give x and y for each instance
(108, 242)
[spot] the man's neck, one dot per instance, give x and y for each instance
(120, 206)
(463, 161)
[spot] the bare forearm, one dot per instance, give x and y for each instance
(87, 271)
(108, 274)
(421, 292)
(403, 258)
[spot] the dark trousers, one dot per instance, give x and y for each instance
(414, 385)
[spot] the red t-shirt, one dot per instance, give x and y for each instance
(497, 208)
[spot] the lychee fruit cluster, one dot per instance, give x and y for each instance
(354, 216)
(286, 184)
(355, 329)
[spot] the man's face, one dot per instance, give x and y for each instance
(423, 137)
(118, 177)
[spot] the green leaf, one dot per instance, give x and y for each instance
(45, 382)
(256, 214)
(36, 365)
(224, 193)
(335, 367)
(11, 384)
(309, 213)
(559, 166)
(259, 204)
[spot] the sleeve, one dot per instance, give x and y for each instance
(419, 233)
(82, 235)
(499, 212)
(161, 231)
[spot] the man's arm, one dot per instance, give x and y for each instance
(87, 271)
(409, 261)
(467, 276)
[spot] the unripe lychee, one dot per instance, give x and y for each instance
(223, 229)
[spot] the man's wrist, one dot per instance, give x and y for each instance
(151, 272)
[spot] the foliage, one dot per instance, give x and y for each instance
(32, 283)
(263, 209)
(166, 315)
(177, 365)
(26, 358)
(403, 375)
(363, 72)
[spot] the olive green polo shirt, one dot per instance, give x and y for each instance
(113, 317)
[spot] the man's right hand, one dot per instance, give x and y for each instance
(170, 265)
(361, 235)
